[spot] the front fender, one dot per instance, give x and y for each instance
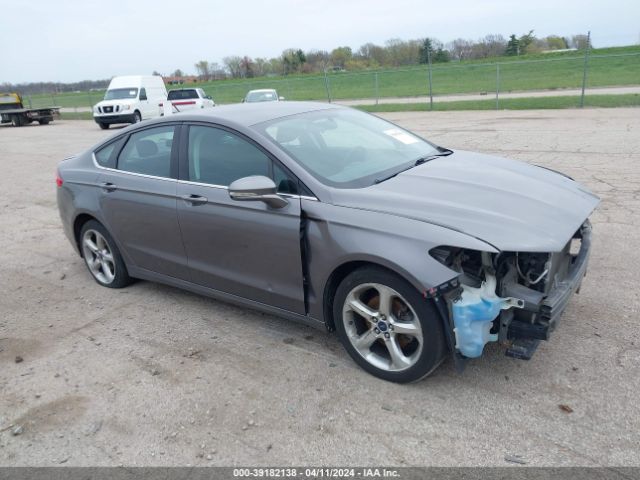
(339, 235)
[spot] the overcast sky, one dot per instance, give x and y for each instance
(74, 40)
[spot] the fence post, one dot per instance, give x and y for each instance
(30, 105)
(497, 85)
(584, 71)
(376, 86)
(430, 89)
(326, 85)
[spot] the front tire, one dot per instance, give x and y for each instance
(103, 126)
(387, 327)
(102, 257)
(137, 118)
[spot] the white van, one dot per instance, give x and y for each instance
(130, 99)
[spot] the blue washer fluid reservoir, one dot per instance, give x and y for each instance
(473, 315)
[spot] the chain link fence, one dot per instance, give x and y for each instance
(452, 82)
(435, 84)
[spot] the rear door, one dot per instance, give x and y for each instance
(138, 200)
(246, 249)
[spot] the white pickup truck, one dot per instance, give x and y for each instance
(183, 99)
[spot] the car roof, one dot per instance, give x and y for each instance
(262, 90)
(248, 114)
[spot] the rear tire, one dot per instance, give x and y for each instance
(102, 257)
(387, 326)
(18, 121)
(44, 121)
(104, 126)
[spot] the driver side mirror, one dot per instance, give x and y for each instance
(256, 188)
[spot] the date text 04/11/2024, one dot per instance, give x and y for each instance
(293, 472)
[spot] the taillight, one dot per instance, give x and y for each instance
(59, 180)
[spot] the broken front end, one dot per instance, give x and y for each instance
(515, 298)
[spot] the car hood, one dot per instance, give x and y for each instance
(512, 205)
(113, 103)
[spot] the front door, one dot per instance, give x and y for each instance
(246, 249)
(145, 104)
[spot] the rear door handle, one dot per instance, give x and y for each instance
(108, 186)
(194, 199)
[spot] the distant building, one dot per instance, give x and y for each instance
(181, 80)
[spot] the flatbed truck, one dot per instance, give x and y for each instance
(12, 111)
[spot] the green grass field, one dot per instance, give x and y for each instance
(570, 101)
(606, 67)
(76, 116)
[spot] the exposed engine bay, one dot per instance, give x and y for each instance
(512, 297)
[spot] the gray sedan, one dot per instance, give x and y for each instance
(338, 219)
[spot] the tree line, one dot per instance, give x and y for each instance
(53, 88)
(394, 53)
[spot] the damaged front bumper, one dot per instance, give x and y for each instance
(523, 334)
(506, 306)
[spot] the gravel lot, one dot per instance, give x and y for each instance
(151, 375)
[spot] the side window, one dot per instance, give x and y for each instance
(148, 152)
(219, 157)
(143, 94)
(106, 156)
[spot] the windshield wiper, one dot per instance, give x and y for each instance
(444, 151)
(416, 162)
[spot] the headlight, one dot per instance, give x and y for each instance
(125, 107)
(468, 263)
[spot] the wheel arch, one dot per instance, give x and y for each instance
(340, 272)
(78, 223)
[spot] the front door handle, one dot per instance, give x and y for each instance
(194, 199)
(108, 186)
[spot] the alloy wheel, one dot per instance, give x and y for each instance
(382, 327)
(98, 256)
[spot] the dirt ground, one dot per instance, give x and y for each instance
(151, 375)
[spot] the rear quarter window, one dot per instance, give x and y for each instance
(107, 155)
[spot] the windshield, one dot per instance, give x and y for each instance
(346, 148)
(120, 93)
(182, 94)
(269, 96)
